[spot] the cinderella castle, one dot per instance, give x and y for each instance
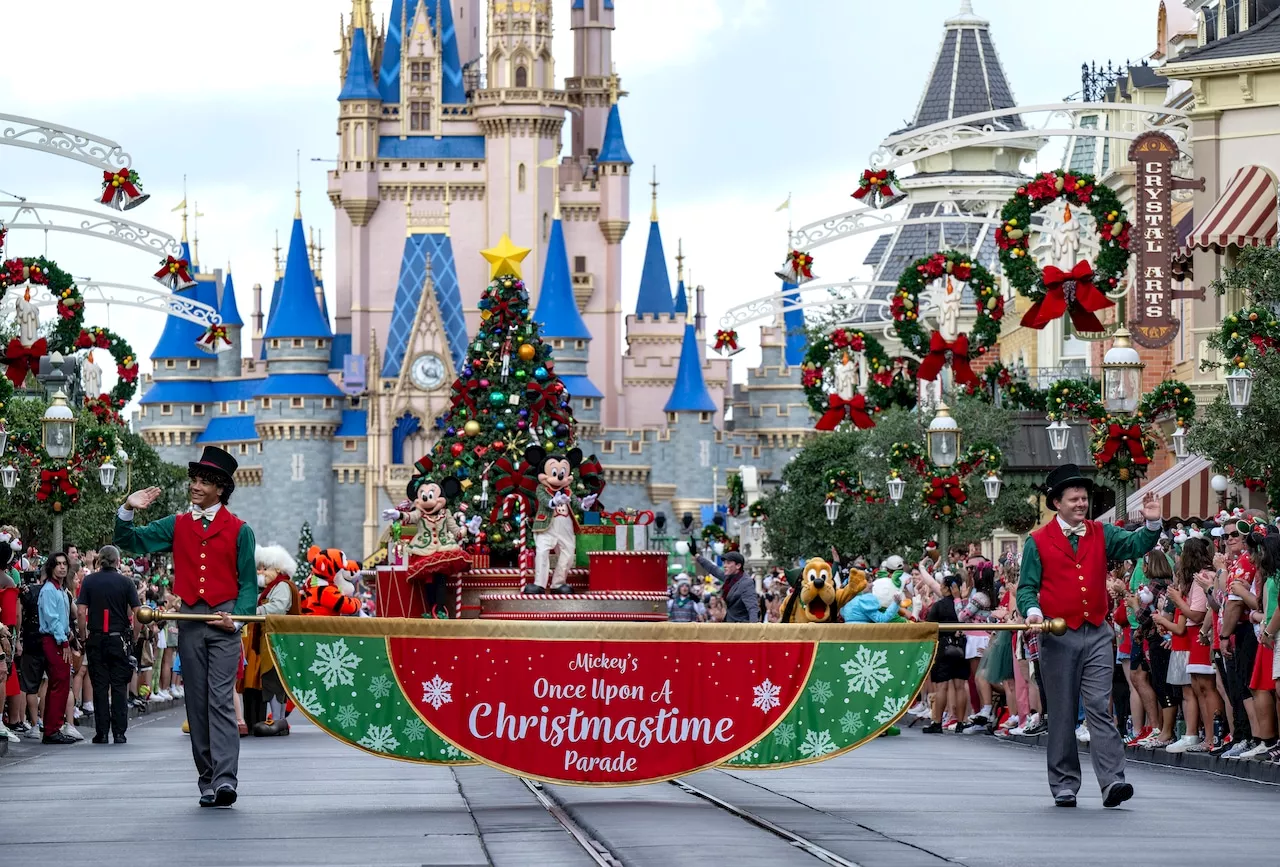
(446, 144)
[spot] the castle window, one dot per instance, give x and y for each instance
(197, 409)
(193, 364)
(588, 403)
(440, 166)
(142, 412)
(579, 264)
(224, 407)
(704, 417)
(259, 448)
(348, 445)
(521, 177)
(166, 409)
(244, 448)
(328, 403)
(579, 344)
(671, 418)
(546, 225)
(457, 167)
(295, 403)
(297, 342)
(595, 10)
(475, 167)
(170, 364)
(244, 406)
(557, 343)
(420, 116)
(321, 343)
(386, 166)
(266, 403)
(522, 76)
(275, 343)
(420, 72)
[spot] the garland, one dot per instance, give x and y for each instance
(1245, 336)
(126, 363)
(952, 265)
(737, 495)
(757, 511)
(1081, 398)
(844, 486)
(889, 383)
(1013, 392)
(942, 494)
(713, 533)
(57, 485)
(1054, 292)
(41, 271)
(1122, 447)
(1168, 397)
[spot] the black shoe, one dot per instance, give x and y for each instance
(121, 739)
(563, 589)
(99, 739)
(933, 728)
(532, 590)
(208, 799)
(225, 797)
(1039, 728)
(1067, 799)
(57, 738)
(1116, 794)
(277, 728)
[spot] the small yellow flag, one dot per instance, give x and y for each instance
(179, 206)
(784, 205)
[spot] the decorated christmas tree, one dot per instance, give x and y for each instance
(305, 542)
(506, 398)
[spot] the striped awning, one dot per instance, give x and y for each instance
(1183, 489)
(1245, 215)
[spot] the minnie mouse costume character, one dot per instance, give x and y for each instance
(555, 522)
(434, 552)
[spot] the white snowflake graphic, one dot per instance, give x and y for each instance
(868, 671)
(922, 663)
(415, 729)
(335, 664)
(437, 692)
(308, 701)
(282, 655)
(850, 722)
(380, 686)
(817, 744)
(785, 733)
(745, 757)
(452, 753)
(766, 695)
(379, 739)
(821, 692)
(348, 716)
(890, 709)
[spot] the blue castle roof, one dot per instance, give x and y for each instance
(297, 384)
(229, 311)
(655, 282)
(577, 4)
(580, 386)
(557, 308)
(229, 429)
(682, 299)
(359, 82)
(419, 249)
(355, 423)
(690, 394)
(614, 148)
(452, 91)
(296, 313)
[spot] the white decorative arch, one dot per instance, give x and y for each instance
(63, 141)
(93, 224)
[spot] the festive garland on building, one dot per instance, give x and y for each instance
(844, 486)
(1080, 292)
(1244, 336)
(889, 383)
(1078, 398)
(942, 493)
(126, 361)
(954, 266)
(757, 511)
(713, 533)
(41, 271)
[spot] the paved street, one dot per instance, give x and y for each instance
(308, 800)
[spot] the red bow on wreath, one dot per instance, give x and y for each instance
(23, 359)
(174, 273)
(838, 409)
(1119, 437)
(726, 338)
(944, 487)
(1070, 292)
(933, 363)
(48, 478)
(127, 372)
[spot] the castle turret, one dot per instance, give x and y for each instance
(613, 177)
(681, 303)
(560, 323)
(592, 24)
(228, 361)
(690, 394)
(360, 107)
(654, 298)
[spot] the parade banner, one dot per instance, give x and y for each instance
(604, 704)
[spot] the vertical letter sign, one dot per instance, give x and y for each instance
(1153, 155)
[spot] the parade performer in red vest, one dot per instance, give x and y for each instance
(214, 572)
(1064, 574)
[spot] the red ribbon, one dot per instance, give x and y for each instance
(801, 263)
(462, 393)
(128, 374)
(50, 477)
(727, 338)
(838, 409)
(174, 273)
(511, 480)
(1119, 437)
(1070, 292)
(546, 399)
(591, 473)
(933, 363)
(110, 189)
(877, 182)
(943, 487)
(23, 359)
(639, 519)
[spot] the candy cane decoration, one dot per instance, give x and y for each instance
(526, 554)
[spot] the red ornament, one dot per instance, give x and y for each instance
(499, 445)
(456, 450)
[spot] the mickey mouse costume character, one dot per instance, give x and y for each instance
(555, 522)
(434, 552)
(214, 572)
(1064, 574)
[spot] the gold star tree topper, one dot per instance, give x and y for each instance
(505, 258)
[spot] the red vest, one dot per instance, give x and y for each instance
(1074, 585)
(204, 561)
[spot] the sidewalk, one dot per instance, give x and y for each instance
(86, 724)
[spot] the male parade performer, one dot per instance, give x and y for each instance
(214, 572)
(1064, 574)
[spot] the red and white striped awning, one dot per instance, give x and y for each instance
(1245, 215)
(1183, 489)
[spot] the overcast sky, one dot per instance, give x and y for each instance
(737, 102)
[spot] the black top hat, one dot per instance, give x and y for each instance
(1065, 476)
(214, 458)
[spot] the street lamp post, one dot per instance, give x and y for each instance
(942, 444)
(57, 431)
(1121, 393)
(832, 507)
(1239, 389)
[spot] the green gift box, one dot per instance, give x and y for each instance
(594, 538)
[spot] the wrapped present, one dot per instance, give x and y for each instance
(630, 529)
(479, 556)
(398, 544)
(593, 537)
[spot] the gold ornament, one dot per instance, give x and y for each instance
(527, 352)
(472, 427)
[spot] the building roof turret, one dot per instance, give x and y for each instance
(297, 314)
(690, 394)
(228, 310)
(614, 147)
(655, 282)
(359, 83)
(557, 309)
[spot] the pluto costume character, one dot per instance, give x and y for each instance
(555, 523)
(814, 596)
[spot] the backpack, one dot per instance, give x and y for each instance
(30, 598)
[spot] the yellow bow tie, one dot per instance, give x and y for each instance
(1077, 530)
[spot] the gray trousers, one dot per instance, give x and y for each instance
(210, 658)
(1078, 666)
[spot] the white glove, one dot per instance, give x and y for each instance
(390, 514)
(473, 526)
(589, 500)
(559, 499)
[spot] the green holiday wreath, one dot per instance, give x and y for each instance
(1243, 336)
(126, 362)
(890, 382)
(954, 266)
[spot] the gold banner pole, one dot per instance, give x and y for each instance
(1056, 626)
(151, 615)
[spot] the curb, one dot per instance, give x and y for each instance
(87, 721)
(1258, 772)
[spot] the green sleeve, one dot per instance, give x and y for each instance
(154, 538)
(247, 566)
(1135, 581)
(1029, 577)
(1128, 544)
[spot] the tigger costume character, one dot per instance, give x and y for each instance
(331, 591)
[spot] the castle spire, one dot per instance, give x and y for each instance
(653, 213)
(358, 83)
(557, 309)
(689, 394)
(681, 305)
(297, 314)
(655, 282)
